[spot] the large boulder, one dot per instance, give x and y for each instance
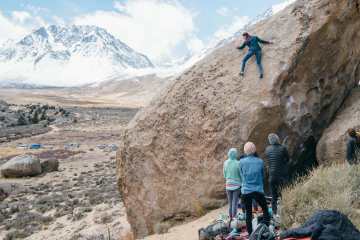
(21, 166)
(171, 155)
(332, 145)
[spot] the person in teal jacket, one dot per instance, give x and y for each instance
(252, 42)
(233, 181)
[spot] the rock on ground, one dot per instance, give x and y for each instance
(332, 145)
(49, 165)
(21, 166)
(170, 158)
(3, 195)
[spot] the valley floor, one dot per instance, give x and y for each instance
(76, 97)
(81, 201)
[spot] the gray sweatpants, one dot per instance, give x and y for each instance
(233, 200)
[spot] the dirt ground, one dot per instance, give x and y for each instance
(81, 201)
(188, 231)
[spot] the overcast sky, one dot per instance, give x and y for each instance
(162, 29)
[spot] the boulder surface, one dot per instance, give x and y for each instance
(332, 145)
(21, 166)
(171, 155)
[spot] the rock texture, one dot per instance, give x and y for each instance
(170, 160)
(21, 166)
(332, 145)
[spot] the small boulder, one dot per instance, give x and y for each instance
(21, 166)
(3, 195)
(49, 165)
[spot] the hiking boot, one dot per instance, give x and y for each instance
(241, 74)
(261, 76)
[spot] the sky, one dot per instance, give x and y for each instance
(164, 30)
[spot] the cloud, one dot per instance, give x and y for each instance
(9, 29)
(195, 45)
(20, 16)
(20, 23)
(153, 27)
(58, 20)
(227, 31)
(120, 6)
(223, 11)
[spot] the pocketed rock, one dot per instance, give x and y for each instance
(171, 155)
(21, 166)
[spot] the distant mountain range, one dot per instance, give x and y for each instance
(79, 48)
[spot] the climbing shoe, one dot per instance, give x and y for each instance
(241, 74)
(261, 76)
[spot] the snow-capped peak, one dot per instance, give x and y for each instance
(63, 42)
(73, 46)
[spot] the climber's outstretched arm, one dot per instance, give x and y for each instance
(242, 46)
(263, 41)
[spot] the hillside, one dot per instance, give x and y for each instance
(335, 187)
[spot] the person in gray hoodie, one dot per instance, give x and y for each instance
(277, 157)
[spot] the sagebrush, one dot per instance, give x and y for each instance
(327, 188)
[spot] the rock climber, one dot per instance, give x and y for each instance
(252, 187)
(352, 147)
(233, 181)
(252, 42)
(277, 157)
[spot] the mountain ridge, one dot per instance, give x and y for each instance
(82, 48)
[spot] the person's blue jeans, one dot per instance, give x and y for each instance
(258, 55)
(233, 199)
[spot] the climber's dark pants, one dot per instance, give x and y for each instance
(258, 55)
(276, 185)
(248, 201)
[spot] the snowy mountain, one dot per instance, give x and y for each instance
(73, 55)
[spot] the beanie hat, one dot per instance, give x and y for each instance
(273, 139)
(233, 154)
(249, 148)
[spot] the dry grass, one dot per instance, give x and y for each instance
(336, 188)
(6, 152)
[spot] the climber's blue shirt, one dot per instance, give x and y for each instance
(253, 44)
(252, 174)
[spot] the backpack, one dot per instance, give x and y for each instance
(262, 232)
(218, 228)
